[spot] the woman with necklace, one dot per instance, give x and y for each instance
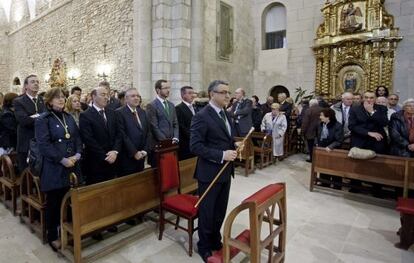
(60, 146)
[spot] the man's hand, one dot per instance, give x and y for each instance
(175, 140)
(111, 157)
(328, 149)
(377, 136)
(229, 155)
(411, 147)
(369, 107)
(138, 156)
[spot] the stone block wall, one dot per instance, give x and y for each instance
(239, 70)
(76, 26)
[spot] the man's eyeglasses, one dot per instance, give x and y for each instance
(224, 92)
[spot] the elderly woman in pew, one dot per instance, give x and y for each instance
(330, 136)
(401, 129)
(60, 146)
(275, 123)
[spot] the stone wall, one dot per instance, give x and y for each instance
(3, 52)
(295, 66)
(403, 12)
(76, 26)
(239, 70)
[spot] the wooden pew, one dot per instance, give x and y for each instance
(383, 169)
(96, 207)
(261, 207)
(247, 156)
(9, 183)
(33, 204)
(263, 148)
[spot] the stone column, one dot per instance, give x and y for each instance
(197, 47)
(142, 67)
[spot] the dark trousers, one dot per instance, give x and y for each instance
(211, 214)
(311, 144)
(52, 214)
(21, 161)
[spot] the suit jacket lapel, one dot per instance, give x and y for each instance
(162, 109)
(217, 118)
(100, 119)
(29, 104)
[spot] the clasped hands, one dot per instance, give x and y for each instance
(140, 155)
(69, 162)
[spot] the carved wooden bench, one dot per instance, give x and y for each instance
(32, 204)
(263, 148)
(9, 183)
(383, 169)
(96, 207)
(247, 156)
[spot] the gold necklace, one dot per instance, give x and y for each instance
(65, 127)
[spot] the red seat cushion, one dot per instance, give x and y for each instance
(264, 194)
(406, 206)
(182, 203)
(243, 237)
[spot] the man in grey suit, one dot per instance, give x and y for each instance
(241, 112)
(162, 117)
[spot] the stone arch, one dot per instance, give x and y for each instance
(16, 81)
(264, 24)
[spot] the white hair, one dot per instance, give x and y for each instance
(345, 94)
(313, 102)
(409, 101)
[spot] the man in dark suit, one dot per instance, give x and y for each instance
(366, 123)
(310, 124)
(185, 112)
(212, 141)
(26, 109)
(241, 111)
(285, 106)
(100, 134)
(134, 130)
(113, 102)
(162, 117)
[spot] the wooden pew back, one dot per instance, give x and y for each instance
(383, 169)
(101, 205)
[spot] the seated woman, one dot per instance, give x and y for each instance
(73, 107)
(401, 129)
(330, 136)
(8, 125)
(275, 123)
(60, 145)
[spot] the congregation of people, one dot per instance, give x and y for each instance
(106, 134)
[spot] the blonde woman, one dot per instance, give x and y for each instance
(73, 107)
(275, 123)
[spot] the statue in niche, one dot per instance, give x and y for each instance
(349, 21)
(58, 74)
(350, 82)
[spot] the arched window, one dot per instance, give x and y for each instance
(274, 27)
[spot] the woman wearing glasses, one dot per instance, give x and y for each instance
(60, 146)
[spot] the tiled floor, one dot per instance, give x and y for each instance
(322, 227)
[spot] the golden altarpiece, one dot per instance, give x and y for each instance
(355, 47)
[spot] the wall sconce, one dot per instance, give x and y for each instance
(74, 73)
(47, 77)
(104, 69)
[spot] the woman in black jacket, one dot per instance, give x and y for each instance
(60, 145)
(8, 125)
(401, 129)
(330, 136)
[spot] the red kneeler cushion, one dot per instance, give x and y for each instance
(405, 205)
(182, 203)
(264, 194)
